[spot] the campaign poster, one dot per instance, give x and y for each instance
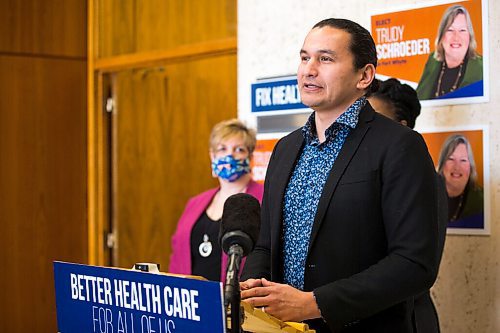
(460, 157)
(262, 154)
(440, 50)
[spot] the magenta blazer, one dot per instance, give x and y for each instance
(180, 259)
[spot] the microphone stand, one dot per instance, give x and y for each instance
(232, 294)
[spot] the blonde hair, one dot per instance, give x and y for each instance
(449, 15)
(229, 128)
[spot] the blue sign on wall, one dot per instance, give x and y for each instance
(276, 95)
(109, 300)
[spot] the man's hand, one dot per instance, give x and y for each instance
(280, 300)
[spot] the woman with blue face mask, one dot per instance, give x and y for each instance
(195, 246)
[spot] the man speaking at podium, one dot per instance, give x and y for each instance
(349, 217)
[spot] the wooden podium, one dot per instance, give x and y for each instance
(257, 321)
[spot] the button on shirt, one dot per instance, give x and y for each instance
(305, 187)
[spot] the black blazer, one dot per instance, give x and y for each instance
(374, 243)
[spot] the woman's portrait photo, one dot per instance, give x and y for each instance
(465, 196)
(459, 160)
(455, 64)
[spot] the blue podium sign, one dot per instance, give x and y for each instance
(111, 300)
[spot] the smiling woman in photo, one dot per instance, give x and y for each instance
(455, 63)
(465, 196)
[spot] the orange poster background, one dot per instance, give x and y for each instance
(435, 141)
(420, 23)
(260, 159)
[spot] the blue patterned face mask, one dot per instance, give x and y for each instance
(229, 168)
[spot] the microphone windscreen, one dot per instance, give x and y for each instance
(241, 213)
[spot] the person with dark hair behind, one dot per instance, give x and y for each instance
(399, 102)
(338, 248)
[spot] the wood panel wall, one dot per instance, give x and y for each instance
(49, 28)
(133, 26)
(163, 119)
(43, 127)
(194, 42)
(42, 155)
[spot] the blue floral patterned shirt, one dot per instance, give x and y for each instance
(305, 187)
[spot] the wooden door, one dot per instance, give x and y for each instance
(160, 127)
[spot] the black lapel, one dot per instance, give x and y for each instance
(348, 150)
(284, 168)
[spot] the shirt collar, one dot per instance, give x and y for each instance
(349, 119)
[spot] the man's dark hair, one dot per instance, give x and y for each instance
(362, 45)
(403, 97)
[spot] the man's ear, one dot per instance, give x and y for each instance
(367, 76)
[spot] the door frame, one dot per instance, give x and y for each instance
(100, 71)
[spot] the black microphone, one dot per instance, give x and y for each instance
(240, 224)
(239, 230)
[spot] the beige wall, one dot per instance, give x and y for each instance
(270, 34)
